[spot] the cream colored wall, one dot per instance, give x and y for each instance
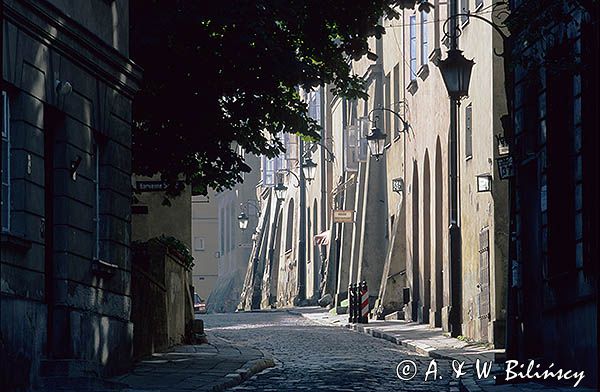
(428, 115)
(481, 210)
(205, 225)
(427, 112)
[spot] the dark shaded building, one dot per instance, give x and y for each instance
(67, 86)
(555, 216)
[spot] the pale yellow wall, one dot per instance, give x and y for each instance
(205, 226)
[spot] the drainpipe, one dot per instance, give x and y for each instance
(454, 229)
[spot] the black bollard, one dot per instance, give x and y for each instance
(356, 308)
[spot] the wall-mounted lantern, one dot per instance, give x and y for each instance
(376, 141)
(243, 221)
(309, 168)
(456, 72)
(280, 191)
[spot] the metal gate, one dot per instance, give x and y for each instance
(484, 282)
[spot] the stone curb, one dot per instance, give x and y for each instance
(242, 374)
(247, 370)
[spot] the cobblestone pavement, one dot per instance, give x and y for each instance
(311, 356)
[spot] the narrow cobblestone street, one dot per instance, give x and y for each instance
(311, 356)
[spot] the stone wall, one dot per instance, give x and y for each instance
(161, 298)
(554, 289)
(65, 261)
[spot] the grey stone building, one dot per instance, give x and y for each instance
(554, 261)
(67, 86)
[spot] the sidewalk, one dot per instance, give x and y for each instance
(215, 366)
(431, 342)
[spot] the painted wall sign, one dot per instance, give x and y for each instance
(154, 186)
(505, 167)
(343, 216)
(398, 185)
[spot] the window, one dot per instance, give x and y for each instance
(560, 158)
(96, 163)
(314, 105)
(270, 166)
(5, 162)
(413, 47)
(424, 41)
(222, 238)
(352, 148)
(199, 243)
(469, 131)
(464, 9)
(232, 226)
(363, 129)
(387, 104)
(397, 81)
(290, 143)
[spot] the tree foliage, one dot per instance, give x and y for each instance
(223, 75)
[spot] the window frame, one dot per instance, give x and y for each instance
(6, 225)
(424, 39)
(96, 219)
(469, 131)
(413, 47)
(202, 246)
(464, 9)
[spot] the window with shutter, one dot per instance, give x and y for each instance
(424, 39)
(352, 148)
(464, 9)
(5, 163)
(413, 47)
(291, 147)
(396, 89)
(469, 131)
(363, 131)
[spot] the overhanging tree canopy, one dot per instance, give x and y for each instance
(219, 75)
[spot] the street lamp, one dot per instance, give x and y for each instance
(309, 168)
(456, 72)
(280, 191)
(376, 139)
(376, 142)
(243, 218)
(243, 221)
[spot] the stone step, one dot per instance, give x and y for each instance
(398, 315)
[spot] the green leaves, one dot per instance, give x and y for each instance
(219, 74)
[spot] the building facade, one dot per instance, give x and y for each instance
(554, 142)
(234, 244)
(398, 239)
(205, 243)
(287, 265)
(67, 86)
